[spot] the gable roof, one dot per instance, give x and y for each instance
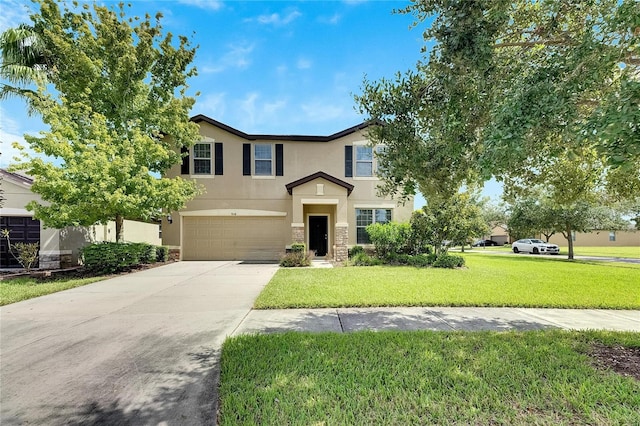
(296, 138)
(16, 177)
(317, 175)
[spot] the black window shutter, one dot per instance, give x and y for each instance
(348, 161)
(279, 160)
(184, 169)
(218, 158)
(246, 159)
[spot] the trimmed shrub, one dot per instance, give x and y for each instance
(363, 259)
(355, 250)
(299, 247)
(162, 253)
(297, 258)
(391, 237)
(448, 261)
(146, 252)
(108, 258)
(418, 260)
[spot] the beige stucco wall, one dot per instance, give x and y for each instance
(73, 238)
(17, 195)
(69, 240)
(600, 239)
(235, 191)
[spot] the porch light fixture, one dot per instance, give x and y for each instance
(169, 219)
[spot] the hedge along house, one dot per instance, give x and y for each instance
(264, 192)
(58, 247)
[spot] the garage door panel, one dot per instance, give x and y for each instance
(21, 229)
(234, 238)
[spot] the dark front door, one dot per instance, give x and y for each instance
(21, 230)
(318, 234)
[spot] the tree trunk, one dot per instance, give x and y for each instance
(567, 235)
(119, 228)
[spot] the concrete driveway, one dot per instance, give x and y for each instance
(136, 349)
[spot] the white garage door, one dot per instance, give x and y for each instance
(234, 238)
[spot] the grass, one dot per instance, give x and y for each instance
(517, 281)
(515, 378)
(16, 289)
(628, 252)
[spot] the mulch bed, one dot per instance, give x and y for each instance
(622, 360)
(76, 272)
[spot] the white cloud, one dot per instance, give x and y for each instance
(255, 115)
(303, 64)
(237, 56)
(331, 20)
(278, 20)
(14, 13)
(204, 4)
(212, 105)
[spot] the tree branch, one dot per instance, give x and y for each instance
(553, 42)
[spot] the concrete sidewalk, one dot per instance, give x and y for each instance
(439, 319)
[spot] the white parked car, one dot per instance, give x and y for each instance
(532, 245)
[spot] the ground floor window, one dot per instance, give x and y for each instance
(366, 217)
(612, 236)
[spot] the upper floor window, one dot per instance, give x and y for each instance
(202, 159)
(262, 159)
(263, 155)
(360, 160)
(364, 160)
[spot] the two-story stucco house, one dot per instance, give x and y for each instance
(264, 192)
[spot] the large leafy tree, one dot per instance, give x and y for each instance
(457, 218)
(509, 86)
(539, 213)
(118, 117)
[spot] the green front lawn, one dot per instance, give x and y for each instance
(629, 252)
(17, 289)
(543, 377)
(519, 281)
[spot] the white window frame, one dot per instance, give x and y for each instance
(358, 161)
(373, 220)
(210, 159)
(612, 236)
(374, 163)
(254, 159)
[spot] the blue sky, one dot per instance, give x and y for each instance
(275, 67)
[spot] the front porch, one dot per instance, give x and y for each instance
(320, 215)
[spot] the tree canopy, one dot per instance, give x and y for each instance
(511, 89)
(118, 115)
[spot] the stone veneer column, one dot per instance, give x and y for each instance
(297, 233)
(342, 239)
(49, 260)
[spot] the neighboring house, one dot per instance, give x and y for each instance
(58, 247)
(603, 238)
(500, 235)
(264, 192)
